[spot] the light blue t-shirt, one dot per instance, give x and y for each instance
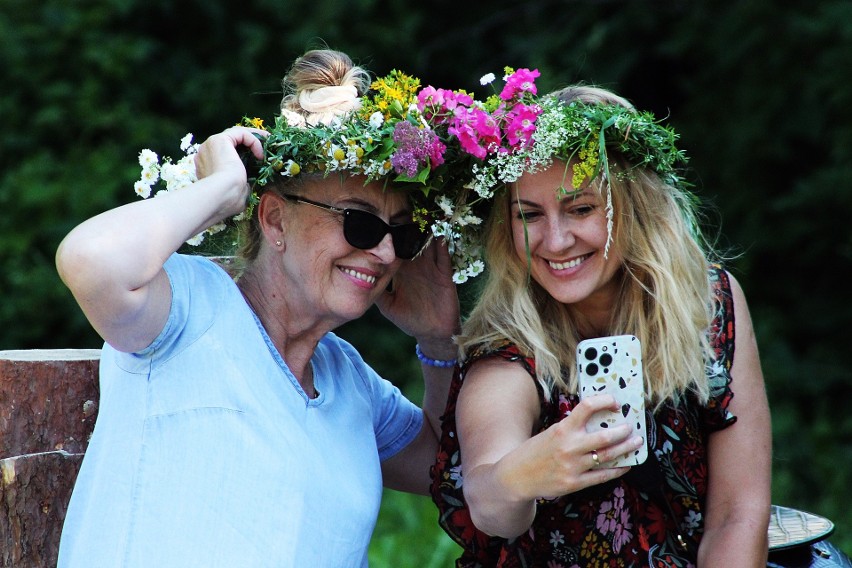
(208, 453)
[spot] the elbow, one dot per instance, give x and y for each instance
(493, 520)
(75, 261)
(68, 256)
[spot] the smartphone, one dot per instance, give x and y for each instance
(613, 365)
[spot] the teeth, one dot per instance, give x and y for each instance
(569, 264)
(360, 275)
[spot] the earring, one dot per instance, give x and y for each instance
(278, 243)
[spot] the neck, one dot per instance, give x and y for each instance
(593, 317)
(294, 340)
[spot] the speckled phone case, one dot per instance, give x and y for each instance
(613, 365)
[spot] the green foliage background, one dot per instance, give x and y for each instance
(760, 93)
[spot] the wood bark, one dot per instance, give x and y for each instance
(48, 407)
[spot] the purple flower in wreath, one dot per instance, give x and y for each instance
(416, 148)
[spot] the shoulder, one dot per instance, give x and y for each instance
(495, 385)
(180, 267)
(504, 351)
(200, 290)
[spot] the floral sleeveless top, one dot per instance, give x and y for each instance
(617, 524)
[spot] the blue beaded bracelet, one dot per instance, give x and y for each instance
(434, 362)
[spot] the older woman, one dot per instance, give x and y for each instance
(594, 236)
(234, 428)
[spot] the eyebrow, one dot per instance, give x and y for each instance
(572, 195)
(519, 202)
(403, 212)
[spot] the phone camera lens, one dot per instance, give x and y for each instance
(591, 369)
(606, 360)
(591, 353)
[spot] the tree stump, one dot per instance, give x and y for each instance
(48, 406)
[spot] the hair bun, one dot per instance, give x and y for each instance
(322, 85)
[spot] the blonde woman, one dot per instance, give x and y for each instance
(589, 243)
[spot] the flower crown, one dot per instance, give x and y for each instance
(580, 133)
(451, 151)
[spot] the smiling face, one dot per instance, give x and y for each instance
(565, 241)
(325, 276)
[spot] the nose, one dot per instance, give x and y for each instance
(559, 235)
(384, 251)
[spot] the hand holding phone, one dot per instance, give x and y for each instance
(613, 365)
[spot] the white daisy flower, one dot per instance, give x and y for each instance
(142, 189)
(150, 176)
(196, 240)
(377, 119)
(487, 79)
(217, 228)
(186, 142)
(147, 158)
(476, 268)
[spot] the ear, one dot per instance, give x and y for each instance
(271, 216)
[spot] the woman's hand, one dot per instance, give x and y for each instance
(219, 156)
(565, 457)
(423, 301)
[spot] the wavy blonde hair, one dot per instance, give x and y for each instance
(665, 294)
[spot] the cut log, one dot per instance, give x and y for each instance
(48, 407)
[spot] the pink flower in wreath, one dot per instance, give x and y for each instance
(521, 81)
(432, 102)
(476, 131)
(521, 124)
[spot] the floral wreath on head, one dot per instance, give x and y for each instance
(580, 134)
(451, 151)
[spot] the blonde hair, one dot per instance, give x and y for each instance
(665, 297)
(318, 69)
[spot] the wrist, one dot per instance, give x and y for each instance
(444, 358)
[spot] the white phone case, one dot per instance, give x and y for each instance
(613, 365)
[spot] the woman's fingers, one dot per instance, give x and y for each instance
(248, 137)
(220, 151)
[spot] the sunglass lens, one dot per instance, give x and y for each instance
(363, 230)
(408, 240)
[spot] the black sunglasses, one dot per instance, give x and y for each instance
(364, 230)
